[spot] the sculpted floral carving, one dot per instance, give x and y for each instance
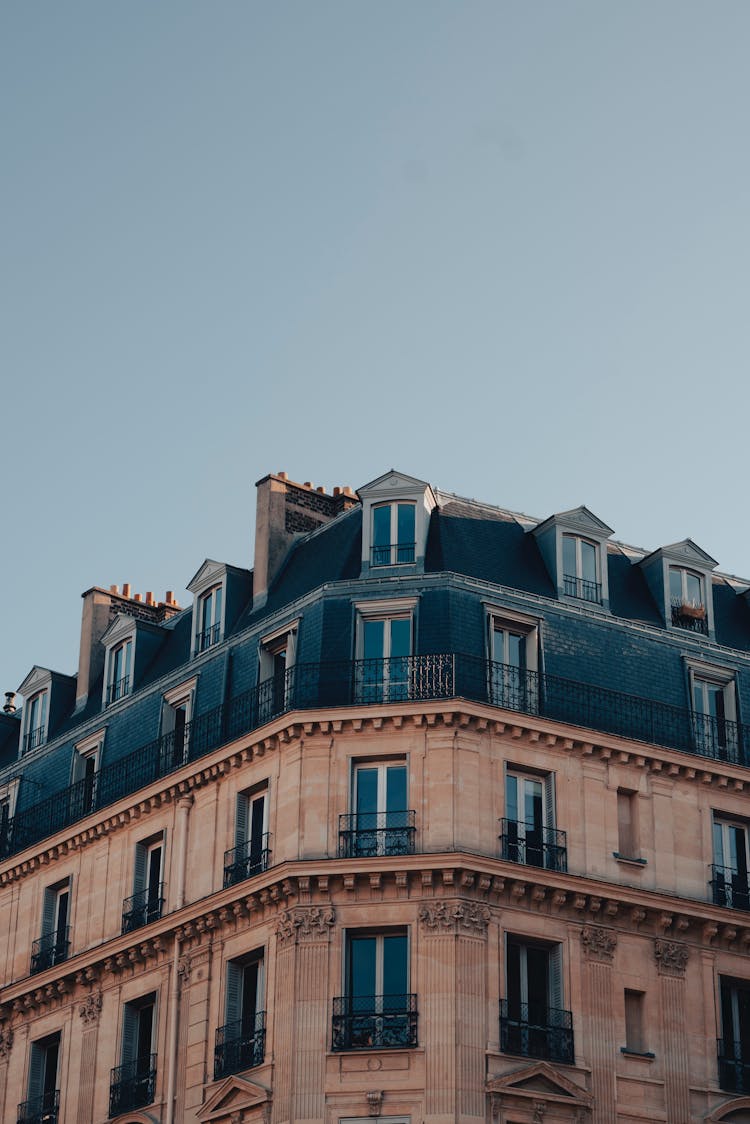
(671, 957)
(305, 923)
(598, 943)
(452, 917)
(91, 1008)
(6, 1041)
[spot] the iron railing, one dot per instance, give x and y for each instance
(118, 690)
(50, 949)
(247, 859)
(34, 739)
(690, 617)
(582, 589)
(240, 1045)
(730, 887)
(44, 1109)
(393, 554)
(734, 1066)
(374, 1022)
(208, 638)
(532, 1032)
(534, 846)
(368, 834)
(142, 908)
(132, 1085)
(401, 679)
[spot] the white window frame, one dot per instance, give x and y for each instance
(396, 819)
(379, 934)
(277, 697)
(36, 736)
(394, 546)
(523, 776)
(719, 736)
(507, 686)
(386, 689)
(577, 577)
(394, 488)
(121, 631)
(89, 749)
(177, 698)
(243, 821)
(210, 577)
(208, 636)
(555, 984)
(239, 964)
(135, 1006)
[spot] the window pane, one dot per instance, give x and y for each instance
(362, 967)
(533, 803)
(395, 796)
(511, 797)
(694, 591)
(394, 965)
(381, 526)
(569, 555)
(516, 650)
(675, 584)
(406, 523)
(367, 791)
(373, 640)
(588, 561)
(401, 637)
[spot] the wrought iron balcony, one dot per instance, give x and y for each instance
(50, 949)
(734, 1066)
(730, 887)
(142, 908)
(534, 846)
(246, 860)
(693, 618)
(132, 1085)
(368, 834)
(582, 589)
(240, 1045)
(535, 1033)
(208, 638)
(34, 739)
(715, 737)
(403, 679)
(40, 1110)
(374, 1022)
(393, 554)
(118, 690)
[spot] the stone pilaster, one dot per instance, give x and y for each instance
(671, 962)
(598, 947)
(89, 1011)
(196, 1015)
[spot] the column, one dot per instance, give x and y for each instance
(598, 947)
(671, 962)
(89, 1010)
(471, 1009)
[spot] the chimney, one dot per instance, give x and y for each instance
(95, 620)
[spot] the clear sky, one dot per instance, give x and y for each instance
(501, 246)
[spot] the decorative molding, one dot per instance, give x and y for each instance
(183, 970)
(454, 917)
(374, 1102)
(305, 923)
(6, 1042)
(671, 957)
(540, 1109)
(91, 1008)
(598, 944)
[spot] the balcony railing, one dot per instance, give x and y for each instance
(368, 834)
(34, 739)
(582, 589)
(240, 1045)
(132, 1085)
(142, 908)
(208, 638)
(50, 949)
(534, 846)
(246, 860)
(535, 1033)
(118, 690)
(730, 887)
(402, 679)
(40, 1110)
(392, 554)
(734, 1067)
(693, 618)
(374, 1022)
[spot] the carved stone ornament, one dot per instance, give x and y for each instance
(375, 1102)
(671, 958)
(453, 917)
(6, 1041)
(540, 1108)
(91, 1008)
(598, 943)
(309, 923)
(183, 970)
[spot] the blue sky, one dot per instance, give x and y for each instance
(501, 246)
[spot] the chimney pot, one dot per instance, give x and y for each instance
(114, 589)
(170, 597)
(307, 484)
(126, 589)
(282, 476)
(321, 490)
(136, 597)
(10, 706)
(337, 491)
(149, 597)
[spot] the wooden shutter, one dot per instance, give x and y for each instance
(549, 800)
(36, 1070)
(48, 911)
(240, 823)
(233, 1004)
(139, 868)
(555, 977)
(129, 1033)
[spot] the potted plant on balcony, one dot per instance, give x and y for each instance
(692, 612)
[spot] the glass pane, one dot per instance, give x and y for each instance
(362, 967)
(249, 993)
(537, 981)
(406, 523)
(367, 792)
(401, 637)
(694, 591)
(373, 640)
(514, 980)
(511, 797)
(381, 526)
(533, 804)
(699, 700)
(217, 606)
(719, 845)
(516, 650)
(394, 965)
(395, 788)
(675, 584)
(569, 555)
(588, 561)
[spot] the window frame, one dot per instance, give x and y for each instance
(238, 863)
(276, 687)
(209, 635)
(373, 684)
(178, 699)
(394, 546)
(578, 591)
(510, 686)
(717, 735)
(382, 830)
(730, 883)
(38, 1085)
(34, 737)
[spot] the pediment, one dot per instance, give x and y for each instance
(37, 678)
(690, 553)
(209, 573)
(121, 628)
(234, 1095)
(580, 520)
(394, 484)
(540, 1079)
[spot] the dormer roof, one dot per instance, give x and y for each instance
(210, 572)
(685, 552)
(578, 519)
(394, 483)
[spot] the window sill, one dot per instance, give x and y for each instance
(628, 860)
(643, 1055)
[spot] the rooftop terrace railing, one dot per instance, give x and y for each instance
(420, 678)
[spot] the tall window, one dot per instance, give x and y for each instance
(731, 863)
(119, 679)
(251, 852)
(687, 599)
(133, 1081)
(393, 534)
(83, 790)
(53, 945)
(635, 1038)
(35, 722)
(377, 1010)
(533, 1022)
(240, 1043)
(627, 824)
(734, 1044)
(529, 834)
(381, 823)
(147, 901)
(43, 1104)
(209, 619)
(383, 670)
(714, 728)
(581, 569)
(277, 659)
(176, 716)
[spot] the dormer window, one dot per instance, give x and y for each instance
(393, 534)
(573, 545)
(120, 671)
(687, 600)
(35, 721)
(209, 619)
(581, 569)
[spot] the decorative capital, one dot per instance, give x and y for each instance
(6, 1042)
(598, 943)
(375, 1102)
(671, 957)
(183, 970)
(455, 917)
(91, 1008)
(305, 923)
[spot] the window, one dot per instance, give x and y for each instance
(250, 854)
(512, 684)
(714, 727)
(43, 1104)
(635, 1042)
(384, 640)
(8, 793)
(627, 824)
(731, 863)
(377, 1011)
(119, 671)
(176, 715)
(53, 945)
(209, 619)
(86, 761)
(734, 1044)
(687, 600)
(581, 569)
(393, 534)
(381, 823)
(240, 1043)
(35, 721)
(133, 1081)
(528, 830)
(277, 658)
(147, 901)
(532, 1020)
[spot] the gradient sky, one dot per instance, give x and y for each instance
(500, 246)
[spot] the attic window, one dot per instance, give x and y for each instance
(35, 721)
(393, 534)
(581, 569)
(687, 600)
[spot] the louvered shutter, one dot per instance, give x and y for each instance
(233, 1005)
(555, 977)
(139, 870)
(48, 911)
(36, 1070)
(240, 823)
(129, 1033)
